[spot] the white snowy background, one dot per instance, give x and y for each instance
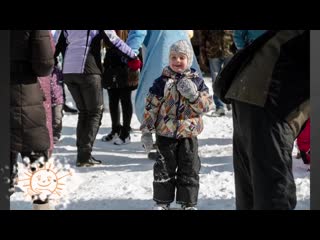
(124, 180)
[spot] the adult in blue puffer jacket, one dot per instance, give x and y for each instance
(156, 45)
(243, 38)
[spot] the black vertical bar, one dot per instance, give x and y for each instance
(4, 119)
(315, 120)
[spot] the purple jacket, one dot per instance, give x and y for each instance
(82, 49)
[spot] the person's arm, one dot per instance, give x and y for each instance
(152, 106)
(239, 38)
(112, 39)
(135, 39)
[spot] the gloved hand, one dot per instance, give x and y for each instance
(147, 141)
(134, 64)
(188, 89)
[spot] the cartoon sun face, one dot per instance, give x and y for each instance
(44, 180)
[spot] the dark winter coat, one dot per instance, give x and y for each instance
(272, 72)
(116, 73)
(31, 56)
(216, 43)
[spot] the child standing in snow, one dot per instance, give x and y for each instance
(173, 110)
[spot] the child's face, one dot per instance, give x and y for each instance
(178, 62)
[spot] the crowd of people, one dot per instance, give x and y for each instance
(262, 76)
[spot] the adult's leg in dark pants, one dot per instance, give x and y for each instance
(188, 171)
(279, 193)
(126, 103)
(114, 99)
(241, 164)
(73, 81)
(87, 93)
(92, 94)
(164, 170)
(215, 65)
(269, 146)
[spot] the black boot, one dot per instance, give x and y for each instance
(86, 160)
(90, 162)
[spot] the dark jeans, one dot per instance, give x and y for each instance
(122, 95)
(177, 169)
(87, 93)
(262, 148)
(216, 65)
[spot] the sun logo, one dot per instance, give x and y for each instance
(45, 181)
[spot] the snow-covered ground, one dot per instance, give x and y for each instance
(124, 180)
